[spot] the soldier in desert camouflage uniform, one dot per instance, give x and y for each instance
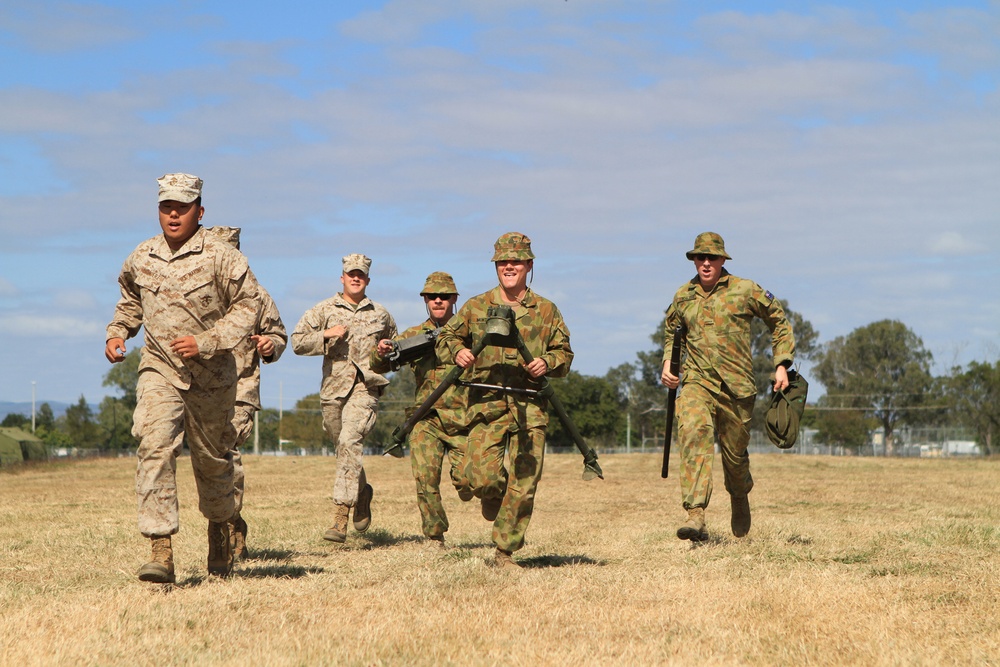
(717, 399)
(442, 430)
(196, 299)
(504, 421)
(344, 329)
(266, 344)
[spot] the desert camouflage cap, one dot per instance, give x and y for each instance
(179, 187)
(230, 235)
(356, 261)
(512, 245)
(439, 282)
(708, 243)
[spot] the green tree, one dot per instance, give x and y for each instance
(392, 407)
(17, 420)
(115, 421)
(303, 426)
(975, 399)
(883, 371)
(45, 418)
(124, 376)
(842, 427)
(593, 405)
(79, 425)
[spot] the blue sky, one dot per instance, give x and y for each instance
(850, 156)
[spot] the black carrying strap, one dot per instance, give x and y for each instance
(784, 414)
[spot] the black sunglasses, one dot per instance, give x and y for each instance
(443, 297)
(702, 258)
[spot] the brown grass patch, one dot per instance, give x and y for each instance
(850, 561)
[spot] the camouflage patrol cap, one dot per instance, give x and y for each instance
(512, 245)
(184, 188)
(708, 243)
(356, 261)
(230, 235)
(439, 282)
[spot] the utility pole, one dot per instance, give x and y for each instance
(32, 406)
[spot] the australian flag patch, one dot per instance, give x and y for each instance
(768, 294)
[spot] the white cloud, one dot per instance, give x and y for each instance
(43, 326)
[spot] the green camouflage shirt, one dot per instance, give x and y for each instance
(718, 332)
(429, 372)
(545, 334)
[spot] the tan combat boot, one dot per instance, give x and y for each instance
(220, 548)
(740, 521)
(338, 531)
(505, 560)
(160, 570)
(363, 509)
(240, 538)
(694, 528)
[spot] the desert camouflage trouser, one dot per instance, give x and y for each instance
(347, 421)
(164, 415)
(428, 443)
(484, 468)
(703, 417)
(243, 423)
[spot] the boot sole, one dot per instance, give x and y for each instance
(156, 575)
(364, 508)
(334, 536)
(686, 533)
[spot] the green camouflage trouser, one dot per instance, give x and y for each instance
(703, 417)
(484, 468)
(428, 443)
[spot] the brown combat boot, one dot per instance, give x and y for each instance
(220, 548)
(240, 539)
(363, 509)
(435, 543)
(694, 528)
(491, 507)
(338, 531)
(160, 570)
(504, 559)
(740, 521)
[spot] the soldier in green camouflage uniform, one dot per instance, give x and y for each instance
(717, 399)
(196, 299)
(265, 345)
(344, 330)
(442, 430)
(501, 421)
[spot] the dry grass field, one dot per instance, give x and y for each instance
(850, 562)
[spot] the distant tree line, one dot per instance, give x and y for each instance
(877, 379)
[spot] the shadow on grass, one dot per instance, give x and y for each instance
(277, 572)
(269, 554)
(379, 538)
(552, 560)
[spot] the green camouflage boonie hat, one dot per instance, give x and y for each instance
(230, 235)
(708, 243)
(184, 188)
(512, 245)
(356, 261)
(439, 282)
